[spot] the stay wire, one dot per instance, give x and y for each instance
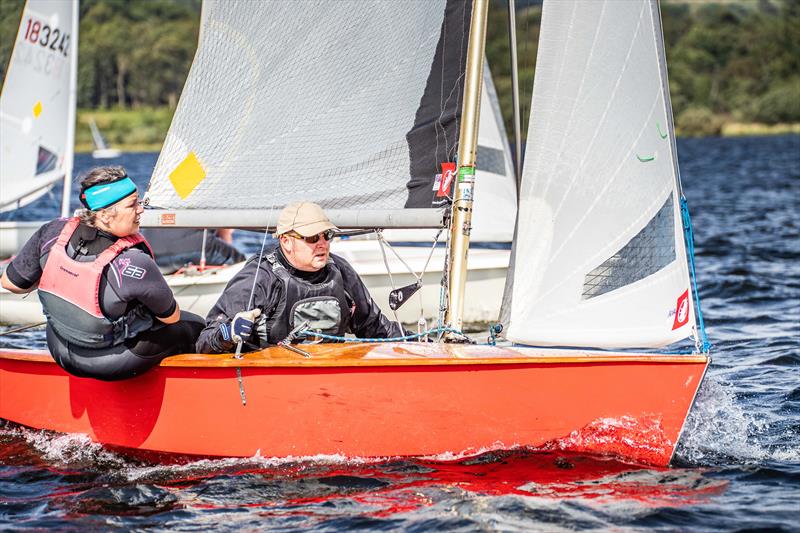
(689, 232)
(381, 242)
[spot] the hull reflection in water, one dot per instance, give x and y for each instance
(396, 399)
(304, 492)
(404, 486)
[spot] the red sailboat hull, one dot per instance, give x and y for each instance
(369, 401)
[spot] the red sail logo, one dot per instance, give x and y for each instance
(448, 171)
(681, 310)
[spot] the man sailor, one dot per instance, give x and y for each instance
(298, 282)
(110, 313)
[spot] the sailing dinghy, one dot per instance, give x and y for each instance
(37, 114)
(37, 131)
(600, 262)
(101, 149)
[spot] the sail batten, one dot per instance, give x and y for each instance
(599, 226)
(351, 104)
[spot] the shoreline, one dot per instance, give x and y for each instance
(146, 129)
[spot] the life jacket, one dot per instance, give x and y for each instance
(326, 305)
(70, 294)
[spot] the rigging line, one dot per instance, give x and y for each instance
(524, 117)
(275, 184)
(444, 293)
(687, 225)
(438, 122)
(381, 242)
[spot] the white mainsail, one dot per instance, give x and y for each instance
(495, 205)
(97, 137)
(352, 104)
(37, 105)
(601, 258)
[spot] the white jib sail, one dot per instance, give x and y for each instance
(495, 205)
(291, 101)
(601, 260)
(36, 124)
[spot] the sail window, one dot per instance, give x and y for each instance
(650, 250)
(46, 161)
(490, 160)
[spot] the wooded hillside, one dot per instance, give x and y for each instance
(734, 61)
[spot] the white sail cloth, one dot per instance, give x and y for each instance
(600, 257)
(37, 103)
(307, 100)
(494, 210)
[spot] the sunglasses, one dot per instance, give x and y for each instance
(327, 235)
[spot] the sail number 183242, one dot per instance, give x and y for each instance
(46, 36)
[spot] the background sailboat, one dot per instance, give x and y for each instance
(404, 398)
(37, 113)
(101, 149)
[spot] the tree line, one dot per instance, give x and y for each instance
(737, 61)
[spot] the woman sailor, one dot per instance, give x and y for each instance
(110, 313)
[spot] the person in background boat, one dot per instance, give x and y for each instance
(299, 281)
(176, 247)
(110, 313)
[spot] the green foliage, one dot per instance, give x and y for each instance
(10, 15)
(779, 104)
(698, 121)
(141, 129)
(735, 59)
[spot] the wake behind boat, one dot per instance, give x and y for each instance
(601, 256)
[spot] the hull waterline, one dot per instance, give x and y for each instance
(369, 401)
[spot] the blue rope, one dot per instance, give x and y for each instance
(413, 336)
(687, 228)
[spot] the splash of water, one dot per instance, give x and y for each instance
(639, 438)
(67, 450)
(76, 450)
(720, 431)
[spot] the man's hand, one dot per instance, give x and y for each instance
(241, 327)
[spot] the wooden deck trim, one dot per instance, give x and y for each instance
(360, 355)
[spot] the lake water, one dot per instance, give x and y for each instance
(737, 466)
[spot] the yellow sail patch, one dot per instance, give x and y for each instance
(37, 109)
(187, 175)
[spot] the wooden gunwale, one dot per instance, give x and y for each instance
(392, 355)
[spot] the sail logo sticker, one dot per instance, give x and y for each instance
(681, 310)
(445, 179)
(187, 175)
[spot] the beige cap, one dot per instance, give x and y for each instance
(306, 218)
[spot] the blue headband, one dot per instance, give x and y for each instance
(107, 194)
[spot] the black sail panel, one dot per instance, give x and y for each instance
(433, 139)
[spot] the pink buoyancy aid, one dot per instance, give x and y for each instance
(70, 293)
